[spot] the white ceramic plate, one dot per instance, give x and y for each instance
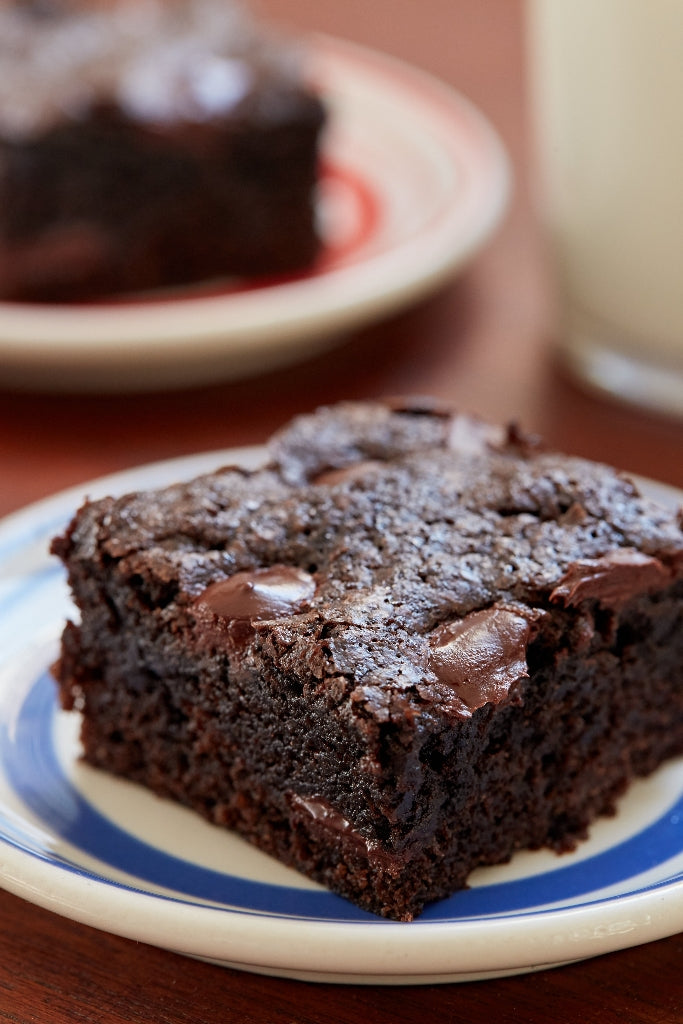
(414, 181)
(107, 853)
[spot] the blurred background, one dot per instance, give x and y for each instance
(483, 341)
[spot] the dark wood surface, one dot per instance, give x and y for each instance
(485, 342)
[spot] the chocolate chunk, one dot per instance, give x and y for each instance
(260, 593)
(347, 473)
(612, 579)
(482, 655)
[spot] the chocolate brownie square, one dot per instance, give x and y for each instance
(409, 645)
(150, 145)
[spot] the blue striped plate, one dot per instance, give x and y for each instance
(107, 853)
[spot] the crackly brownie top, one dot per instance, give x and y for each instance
(156, 61)
(399, 545)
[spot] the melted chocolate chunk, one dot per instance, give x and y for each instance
(611, 580)
(323, 812)
(347, 473)
(482, 655)
(316, 814)
(260, 594)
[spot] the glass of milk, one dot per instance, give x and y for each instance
(607, 93)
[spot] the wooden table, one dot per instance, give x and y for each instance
(485, 342)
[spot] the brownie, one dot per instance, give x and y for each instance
(150, 145)
(409, 645)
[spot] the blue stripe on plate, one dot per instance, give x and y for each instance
(33, 770)
(27, 531)
(23, 589)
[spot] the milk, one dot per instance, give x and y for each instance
(607, 88)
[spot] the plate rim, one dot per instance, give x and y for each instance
(319, 950)
(345, 951)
